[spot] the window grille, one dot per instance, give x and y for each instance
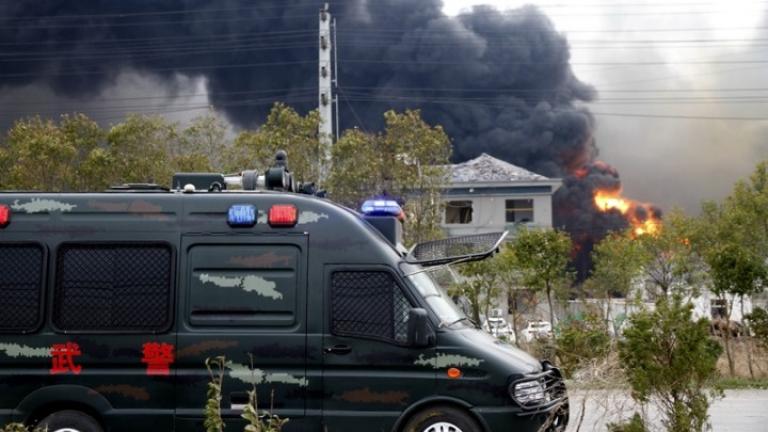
(113, 288)
(21, 284)
(369, 304)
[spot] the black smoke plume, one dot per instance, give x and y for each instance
(498, 82)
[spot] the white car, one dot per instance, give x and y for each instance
(499, 327)
(537, 329)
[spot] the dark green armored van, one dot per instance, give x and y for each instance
(110, 303)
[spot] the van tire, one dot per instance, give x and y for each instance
(436, 418)
(70, 421)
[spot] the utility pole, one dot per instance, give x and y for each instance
(325, 92)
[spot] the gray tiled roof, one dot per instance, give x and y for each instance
(488, 169)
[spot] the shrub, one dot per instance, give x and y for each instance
(670, 360)
(634, 424)
(758, 323)
(579, 342)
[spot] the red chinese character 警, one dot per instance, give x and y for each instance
(63, 358)
(158, 357)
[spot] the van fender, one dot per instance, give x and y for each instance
(65, 397)
(437, 400)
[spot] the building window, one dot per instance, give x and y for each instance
(458, 212)
(519, 210)
(719, 309)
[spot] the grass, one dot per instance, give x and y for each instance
(741, 383)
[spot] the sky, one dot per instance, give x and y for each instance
(688, 58)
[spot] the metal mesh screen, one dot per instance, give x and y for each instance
(113, 288)
(438, 251)
(369, 304)
(21, 280)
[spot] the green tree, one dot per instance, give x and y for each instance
(758, 321)
(202, 144)
(139, 149)
(356, 171)
(406, 161)
(41, 156)
(735, 272)
(284, 129)
(414, 158)
(618, 260)
(671, 264)
(580, 341)
(87, 137)
(669, 359)
(542, 258)
(481, 287)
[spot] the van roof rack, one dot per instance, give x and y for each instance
(138, 187)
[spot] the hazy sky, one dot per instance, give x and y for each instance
(687, 58)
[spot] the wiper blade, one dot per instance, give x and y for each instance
(444, 324)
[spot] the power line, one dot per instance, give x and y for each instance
(563, 63)
(166, 69)
(615, 114)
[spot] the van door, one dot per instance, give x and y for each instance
(243, 298)
(369, 374)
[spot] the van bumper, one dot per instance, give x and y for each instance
(508, 419)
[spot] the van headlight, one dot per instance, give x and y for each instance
(528, 392)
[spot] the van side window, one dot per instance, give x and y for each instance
(21, 285)
(102, 287)
(368, 304)
(254, 285)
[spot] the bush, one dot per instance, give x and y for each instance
(758, 323)
(579, 342)
(670, 360)
(635, 424)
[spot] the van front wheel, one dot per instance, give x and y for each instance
(441, 419)
(69, 421)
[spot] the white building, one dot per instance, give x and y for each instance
(486, 194)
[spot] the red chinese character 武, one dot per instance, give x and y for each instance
(63, 358)
(158, 357)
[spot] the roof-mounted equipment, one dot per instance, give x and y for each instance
(276, 178)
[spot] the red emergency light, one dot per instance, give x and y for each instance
(283, 215)
(5, 215)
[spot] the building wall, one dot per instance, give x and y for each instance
(489, 214)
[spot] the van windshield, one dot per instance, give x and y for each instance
(436, 295)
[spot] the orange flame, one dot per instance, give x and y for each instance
(611, 200)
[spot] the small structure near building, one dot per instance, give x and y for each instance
(486, 194)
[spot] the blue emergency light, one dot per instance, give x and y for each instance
(241, 215)
(381, 207)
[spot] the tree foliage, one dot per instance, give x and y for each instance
(672, 264)
(484, 283)
(542, 258)
(580, 341)
(618, 260)
(407, 161)
(758, 321)
(669, 359)
(284, 129)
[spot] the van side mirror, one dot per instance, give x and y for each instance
(420, 333)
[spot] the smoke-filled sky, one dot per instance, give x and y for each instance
(500, 82)
(685, 58)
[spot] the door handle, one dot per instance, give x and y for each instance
(339, 349)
